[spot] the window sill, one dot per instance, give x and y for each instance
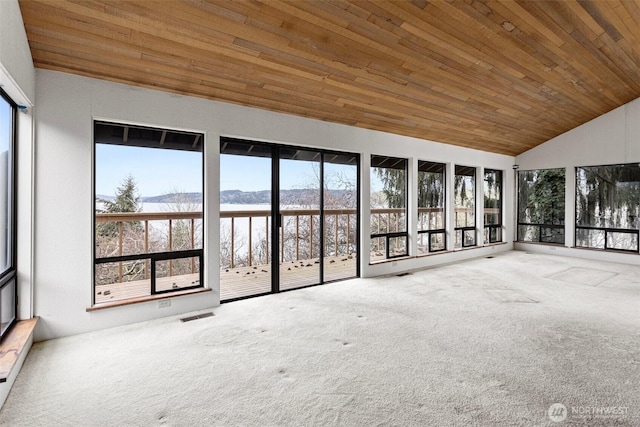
(555, 245)
(493, 244)
(609, 251)
(13, 345)
(486, 245)
(385, 261)
(147, 299)
(433, 254)
(467, 248)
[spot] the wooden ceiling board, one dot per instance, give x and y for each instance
(496, 75)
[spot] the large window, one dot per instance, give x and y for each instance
(148, 211)
(541, 206)
(464, 206)
(608, 207)
(492, 206)
(8, 287)
(388, 207)
(431, 207)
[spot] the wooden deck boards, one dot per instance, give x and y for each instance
(238, 282)
(245, 281)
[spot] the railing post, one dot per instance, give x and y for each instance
(378, 239)
(348, 234)
(146, 248)
(233, 235)
(336, 238)
(297, 237)
(267, 236)
(170, 246)
(120, 227)
(310, 236)
(193, 242)
(250, 240)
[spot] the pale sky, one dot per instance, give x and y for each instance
(156, 171)
(162, 171)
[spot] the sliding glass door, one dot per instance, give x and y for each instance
(340, 201)
(299, 184)
(288, 217)
(245, 220)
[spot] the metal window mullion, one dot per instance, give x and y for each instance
(153, 276)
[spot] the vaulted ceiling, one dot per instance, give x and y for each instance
(499, 76)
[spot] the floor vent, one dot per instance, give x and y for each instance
(196, 317)
(402, 274)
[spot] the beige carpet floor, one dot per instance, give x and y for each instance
(489, 342)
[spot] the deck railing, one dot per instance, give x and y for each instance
(341, 222)
(298, 224)
(142, 241)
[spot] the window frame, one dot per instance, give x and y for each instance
(499, 225)
(606, 230)
(442, 230)
(543, 225)
(473, 228)
(151, 257)
(395, 234)
(8, 277)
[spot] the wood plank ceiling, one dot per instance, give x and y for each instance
(499, 76)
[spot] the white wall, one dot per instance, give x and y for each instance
(613, 138)
(16, 65)
(64, 208)
(17, 79)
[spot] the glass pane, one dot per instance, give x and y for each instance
(457, 239)
(492, 234)
(552, 235)
(438, 242)
(378, 248)
(492, 197)
(340, 209)
(245, 220)
(6, 183)
(590, 238)
(464, 196)
(176, 274)
(622, 241)
(528, 233)
(7, 305)
(121, 280)
(431, 195)
(397, 246)
(131, 182)
(541, 195)
(388, 196)
(423, 243)
(300, 210)
(608, 196)
(469, 238)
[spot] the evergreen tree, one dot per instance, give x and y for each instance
(394, 181)
(127, 200)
